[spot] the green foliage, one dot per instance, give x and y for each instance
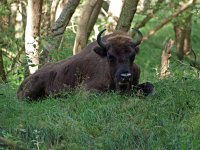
(66, 48)
(14, 68)
(4, 11)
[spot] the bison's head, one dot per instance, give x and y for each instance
(120, 50)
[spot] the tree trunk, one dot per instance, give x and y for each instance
(88, 18)
(182, 29)
(54, 6)
(128, 11)
(45, 23)
(165, 59)
(2, 70)
(3, 26)
(94, 17)
(60, 8)
(32, 34)
(16, 19)
(114, 11)
(54, 40)
(144, 5)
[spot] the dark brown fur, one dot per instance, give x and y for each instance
(90, 68)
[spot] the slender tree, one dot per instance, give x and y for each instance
(16, 18)
(45, 24)
(55, 37)
(88, 17)
(2, 70)
(3, 24)
(60, 8)
(94, 17)
(182, 29)
(128, 11)
(32, 33)
(54, 6)
(114, 11)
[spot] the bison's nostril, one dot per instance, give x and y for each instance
(125, 76)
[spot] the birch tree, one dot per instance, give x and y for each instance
(32, 33)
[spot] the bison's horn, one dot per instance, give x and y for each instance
(140, 36)
(99, 40)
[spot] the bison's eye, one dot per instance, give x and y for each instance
(132, 56)
(111, 58)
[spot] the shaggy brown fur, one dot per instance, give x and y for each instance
(90, 68)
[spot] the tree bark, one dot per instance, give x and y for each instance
(32, 34)
(128, 11)
(2, 70)
(54, 40)
(16, 19)
(60, 8)
(86, 23)
(182, 29)
(54, 6)
(3, 26)
(45, 23)
(143, 5)
(94, 17)
(114, 11)
(165, 59)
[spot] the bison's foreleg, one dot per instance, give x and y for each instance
(145, 89)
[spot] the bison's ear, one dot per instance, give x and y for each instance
(137, 49)
(100, 51)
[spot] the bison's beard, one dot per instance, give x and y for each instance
(123, 86)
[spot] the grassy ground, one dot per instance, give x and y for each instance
(85, 120)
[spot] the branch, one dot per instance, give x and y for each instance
(8, 54)
(54, 40)
(64, 18)
(15, 60)
(191, 58)
(167, 20)
(165, 59)
(149, 15)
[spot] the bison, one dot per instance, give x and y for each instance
(106, 64)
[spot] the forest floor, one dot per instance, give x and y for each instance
(87, 120)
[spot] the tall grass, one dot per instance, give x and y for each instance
(84, 120)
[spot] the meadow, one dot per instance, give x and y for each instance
(86, 120)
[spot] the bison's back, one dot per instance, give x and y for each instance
(85, 68)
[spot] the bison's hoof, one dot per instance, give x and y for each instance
(146, 89)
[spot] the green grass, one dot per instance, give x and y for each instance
(87, 120)
(84, 120)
